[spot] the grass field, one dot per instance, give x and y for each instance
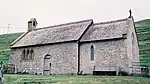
(74, 79)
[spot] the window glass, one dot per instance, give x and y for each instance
(92, 52)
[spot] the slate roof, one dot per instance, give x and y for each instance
(107, 30)
(52, 34)
(74, 31)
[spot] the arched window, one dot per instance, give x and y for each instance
(27, 55)
(23, 55)
(92, 52)
(32, 55)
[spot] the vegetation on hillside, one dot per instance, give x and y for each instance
(143, 34)
(5, 41)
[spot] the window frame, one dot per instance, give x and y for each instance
(27, 55)
(92, 53)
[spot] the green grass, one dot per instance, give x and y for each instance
(74, 79)
(5, 41)
(143, 34)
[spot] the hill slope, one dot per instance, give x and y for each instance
(142, 29)
(5, 41)
(143, 34)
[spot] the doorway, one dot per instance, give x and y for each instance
(47, 65)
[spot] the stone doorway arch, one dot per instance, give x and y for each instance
(47, 65)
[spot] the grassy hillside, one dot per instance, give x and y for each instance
(143, 34)
(5, 41)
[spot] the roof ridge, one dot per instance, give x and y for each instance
(65, 24)
(112, 21)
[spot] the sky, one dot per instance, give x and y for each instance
(16, 13)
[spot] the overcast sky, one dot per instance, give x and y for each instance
(51, 12)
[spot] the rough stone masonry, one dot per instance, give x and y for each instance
(75, 47)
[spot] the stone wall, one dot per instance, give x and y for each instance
(63, 58)
(132, 45)
(106, 53)
(115, 52)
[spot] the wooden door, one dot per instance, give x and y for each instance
(47, 65)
